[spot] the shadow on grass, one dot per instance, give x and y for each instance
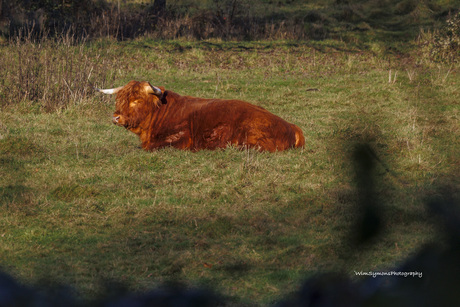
(15, 193)
(429, 278)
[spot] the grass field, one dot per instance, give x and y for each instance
(83, 205)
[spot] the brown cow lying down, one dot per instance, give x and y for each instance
(163, 118)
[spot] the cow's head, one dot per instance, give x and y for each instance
(136, 101)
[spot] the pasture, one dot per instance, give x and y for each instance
(83, 205)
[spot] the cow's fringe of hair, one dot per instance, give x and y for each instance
(124, 96)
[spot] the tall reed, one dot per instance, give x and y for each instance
(49, 73)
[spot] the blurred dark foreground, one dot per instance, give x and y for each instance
(429, 278)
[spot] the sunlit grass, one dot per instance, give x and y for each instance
(83, 204)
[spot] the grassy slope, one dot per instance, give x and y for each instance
(81, 203)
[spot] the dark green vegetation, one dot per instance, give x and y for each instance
(365, 20)
(81, 204)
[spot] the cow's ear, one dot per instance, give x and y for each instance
(163, 97)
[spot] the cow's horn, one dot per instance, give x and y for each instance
(156, 90)
(110, 90)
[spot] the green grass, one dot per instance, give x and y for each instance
(82, 204)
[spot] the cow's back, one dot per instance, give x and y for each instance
(194, 123)
(218, 123)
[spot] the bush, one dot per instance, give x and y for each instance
(444, 44)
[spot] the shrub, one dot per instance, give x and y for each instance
(443, 45)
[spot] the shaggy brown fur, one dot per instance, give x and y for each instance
(184, 122)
